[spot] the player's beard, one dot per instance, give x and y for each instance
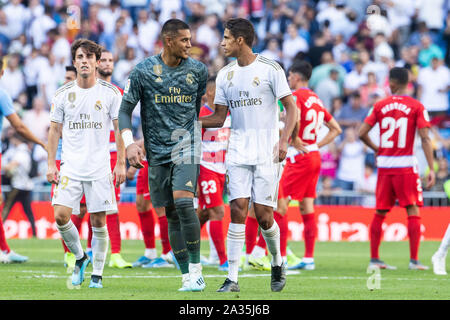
(104, 74)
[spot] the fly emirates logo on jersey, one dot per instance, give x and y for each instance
(85, 123)
(245, 100)
(174, 96)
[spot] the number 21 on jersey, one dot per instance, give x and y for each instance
(391, 125)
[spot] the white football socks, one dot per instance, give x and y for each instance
(100, 242)
(272, 237)
(71, 238)
(235, 244)
(445, 243)
(150, 253)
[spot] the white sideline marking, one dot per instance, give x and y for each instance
(47, 275)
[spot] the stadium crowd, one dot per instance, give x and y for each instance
(351, 45)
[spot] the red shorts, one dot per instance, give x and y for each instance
(211, 186)
(299, 179)
(83, 200)
(407, 188)
(142, 182)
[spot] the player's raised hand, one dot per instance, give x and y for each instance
(135, 155)
(53, 174)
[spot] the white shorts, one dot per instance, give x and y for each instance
(99, 194)
(257, 182)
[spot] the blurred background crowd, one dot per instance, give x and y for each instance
(351, 45)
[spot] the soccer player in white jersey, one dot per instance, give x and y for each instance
(81, 111)
(249, 88)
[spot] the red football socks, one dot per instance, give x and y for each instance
(414, 236)
(309, 233)
(112, 222)
(164, 234)
(216, 232)
(251, 232)
(147, 221)
(3, 244)
(375, 235)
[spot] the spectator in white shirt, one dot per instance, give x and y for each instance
(351, 162)
(148, 31)
(272, 50)
(61, 46)
(18, 17)
(40, 26)
(208, 35)
(292, 45)
(434, 83)
(328, 89)
(32, 66)
(50, 78)
(355, 79)
(432, 13)
(13, 80)
(37, 118)
(124, 67)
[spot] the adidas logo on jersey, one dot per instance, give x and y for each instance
(189, 184)
(269, 198)
(106, 202)
(230, 85)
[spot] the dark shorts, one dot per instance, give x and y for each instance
(169, 177)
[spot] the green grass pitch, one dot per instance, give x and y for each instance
(341, 274)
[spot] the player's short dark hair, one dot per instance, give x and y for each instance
(88, 45)
(240, 27)
(71, 68)
(172, 26)
(303, 68)
(400, 75)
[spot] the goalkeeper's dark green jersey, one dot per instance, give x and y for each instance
(170, 102)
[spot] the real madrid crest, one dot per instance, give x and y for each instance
(157, 69)
(230, 75)
(189, 78)
(98, 105)
(256, 82)
(72, 97)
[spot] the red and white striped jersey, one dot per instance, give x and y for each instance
(214, 143)
(398, 118)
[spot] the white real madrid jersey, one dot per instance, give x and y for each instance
(251, 94)
(86, 116)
